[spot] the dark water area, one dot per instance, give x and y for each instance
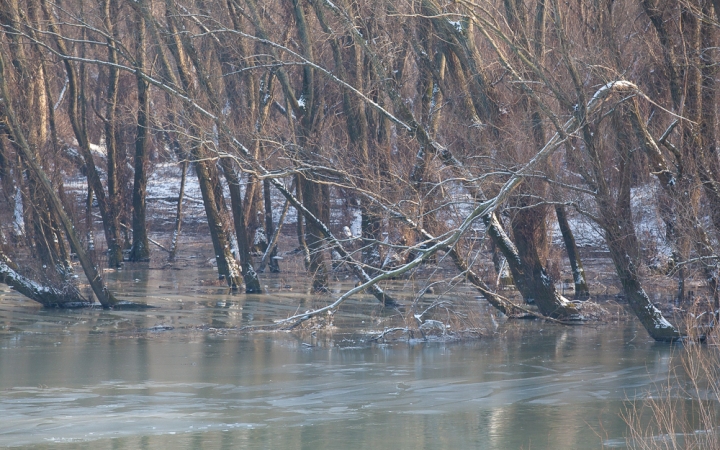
(181, 376)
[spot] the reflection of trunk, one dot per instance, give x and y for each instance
(581, 286)
(140, 250)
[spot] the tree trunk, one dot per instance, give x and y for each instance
(300, 225)
(226, 265)
(316, 198)
(75, 114)
(104, 296)
(651, 318)
(616, 221)
(272, 242)
(252, 283)
(528, 273)
(140, 250)
(115, 256)
(178, 212)
(271, 251)
(581, 287)
(48, 296)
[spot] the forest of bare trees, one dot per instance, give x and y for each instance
(458, 130)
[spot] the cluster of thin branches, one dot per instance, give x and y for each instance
(433, 121)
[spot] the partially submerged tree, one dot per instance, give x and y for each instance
(426, 120)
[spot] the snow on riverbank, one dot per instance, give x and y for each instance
(164, 187)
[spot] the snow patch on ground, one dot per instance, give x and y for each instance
(649, 226)
(586, 232)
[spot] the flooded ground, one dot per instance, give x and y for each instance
(184, 376)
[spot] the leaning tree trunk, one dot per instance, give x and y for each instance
(650, 317)
(226, 265)
(110, 219)
(48, 296)
(581, 286)
(616, 221)
(104, 296)
(687, 224)
(527, 273)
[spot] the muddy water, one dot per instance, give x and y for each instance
(182, 377)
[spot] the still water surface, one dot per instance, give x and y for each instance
(159, 379)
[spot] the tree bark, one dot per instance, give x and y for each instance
(140, 250)
(104, 296)
(228, 268)
(109, 219)
(252, 283)
(48, 296)
(271, 251)
(581, 287)
(178, 212)
(115, 256)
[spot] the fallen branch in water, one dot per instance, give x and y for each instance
(388, 331)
